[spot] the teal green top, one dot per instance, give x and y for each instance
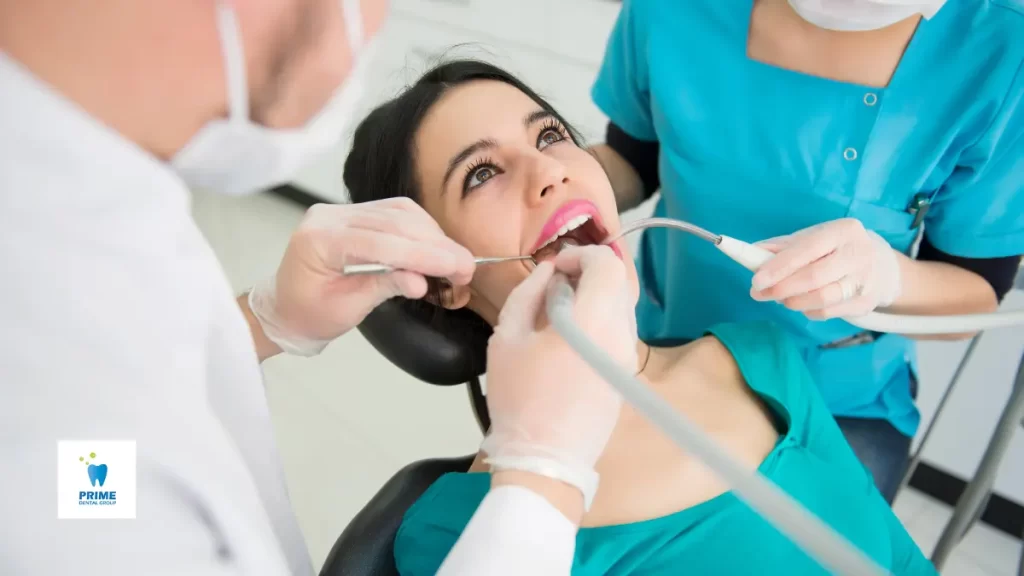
(721, 536)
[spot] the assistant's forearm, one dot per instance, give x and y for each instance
(625, 181)
(938, 288)
(264, 347)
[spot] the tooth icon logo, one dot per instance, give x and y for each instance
(97, 473)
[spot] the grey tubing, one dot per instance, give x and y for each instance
(820, 540)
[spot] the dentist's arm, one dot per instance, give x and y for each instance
(526, 524)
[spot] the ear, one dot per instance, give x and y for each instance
(458, 297)
(441, 293)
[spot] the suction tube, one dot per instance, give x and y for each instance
(823, 543)
(753, 257)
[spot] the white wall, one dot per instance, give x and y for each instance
(556, 47)
(966, 425)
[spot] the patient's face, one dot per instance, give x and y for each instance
(502, 177)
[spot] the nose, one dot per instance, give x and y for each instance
(547, 177)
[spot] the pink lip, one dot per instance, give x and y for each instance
(565, 213)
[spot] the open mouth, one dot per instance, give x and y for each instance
(578, 224)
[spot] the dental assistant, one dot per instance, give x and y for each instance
(119, 323)
(837, 132)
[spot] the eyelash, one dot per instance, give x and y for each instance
(550, 125)
(471, 172)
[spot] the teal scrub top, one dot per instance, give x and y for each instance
(754, 151)
(811, 461)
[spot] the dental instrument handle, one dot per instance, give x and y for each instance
(748, 255)
(819, 539)
(753, 257)
(364, 269)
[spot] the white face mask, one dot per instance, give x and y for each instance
(234, 155)
(861, 15)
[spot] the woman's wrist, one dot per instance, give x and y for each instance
(265, 348)
(566, 498)
(931, 288)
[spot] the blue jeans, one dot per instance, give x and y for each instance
(883, 449)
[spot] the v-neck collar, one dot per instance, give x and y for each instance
(907, 59)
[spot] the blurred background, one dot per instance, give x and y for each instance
(347, 420)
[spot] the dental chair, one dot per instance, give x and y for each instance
(405, 333)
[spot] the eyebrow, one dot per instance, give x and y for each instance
(536, 116)
(486, 143)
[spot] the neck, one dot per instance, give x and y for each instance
(115, 61)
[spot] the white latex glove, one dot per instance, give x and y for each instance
(833, 269)
(551, 414)
(308, 303)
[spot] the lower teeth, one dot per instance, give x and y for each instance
(566, 242)
(555, 247)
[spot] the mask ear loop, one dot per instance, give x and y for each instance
(351, 12)
(234, 62)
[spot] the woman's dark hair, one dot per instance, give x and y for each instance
(382, 164)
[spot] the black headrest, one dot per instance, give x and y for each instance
(367, 546)
(438, 346)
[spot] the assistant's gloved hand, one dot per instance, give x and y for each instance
(833, 269)
(551, 414)
(308, 303)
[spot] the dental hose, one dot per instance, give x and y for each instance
(753, 257)
(816, 537)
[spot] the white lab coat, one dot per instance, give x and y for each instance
(117, 323)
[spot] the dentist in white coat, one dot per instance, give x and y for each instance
(117, 321)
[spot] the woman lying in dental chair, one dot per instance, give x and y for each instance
(503, 174)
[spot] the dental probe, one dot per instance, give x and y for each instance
(753, 257)
(817, 538)
(364, 269)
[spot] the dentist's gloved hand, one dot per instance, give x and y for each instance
(830, 270)
(308, 303)
(551, 414)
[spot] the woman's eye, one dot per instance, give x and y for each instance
(479, 176)
(548, 137)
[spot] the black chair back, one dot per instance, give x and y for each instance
(366, 547)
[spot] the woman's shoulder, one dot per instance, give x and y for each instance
(760, 356)
(757, 347)
(751, 351)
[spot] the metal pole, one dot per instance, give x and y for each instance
(1020, 568)
(916, 458)
(977, 490)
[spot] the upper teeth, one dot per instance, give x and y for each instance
(568, 227)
